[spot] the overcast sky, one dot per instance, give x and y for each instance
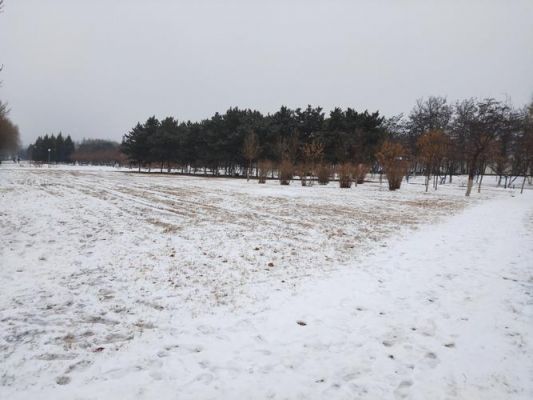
(95, 68)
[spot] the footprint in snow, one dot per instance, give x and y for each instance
(402, 391)
(63, 380)
(204, 378)
(432, 359)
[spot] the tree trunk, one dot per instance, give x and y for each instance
(427, 183)
(523, 183)
(470, 183)
(480, 181)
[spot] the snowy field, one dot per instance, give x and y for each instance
(117, 285)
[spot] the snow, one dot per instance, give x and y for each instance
(120, 285)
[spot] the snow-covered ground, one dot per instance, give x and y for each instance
(120, 285)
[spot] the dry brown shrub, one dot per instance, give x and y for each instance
(361, 171)
(393, 160)
(323, 174)
(264, 168)
(345, 172)
(286, 171)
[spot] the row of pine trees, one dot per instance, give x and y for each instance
(58, 148)
(217, 143)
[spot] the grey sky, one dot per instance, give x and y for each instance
(95, 68)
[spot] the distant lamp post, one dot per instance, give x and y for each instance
(49, 150)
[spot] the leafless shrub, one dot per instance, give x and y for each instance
(392, 157)
(286, 171)
(323, 174)
(345, 173)
(360, 173)
(264, 168)
(303, 170)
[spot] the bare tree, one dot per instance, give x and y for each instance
(524, 150)
(432, 148)
(429, 114)
(478, 124)
(250, 150)
(311, 155)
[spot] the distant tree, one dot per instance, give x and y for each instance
(136, 144)
(432, 149)
(289, 147)
(309, 122)
(480, 124)
(9, 133)
(502, 157)
(164, 142)
(431, 114)
(351, 136)
(523, 159)
(250, 150)
(312, 154)
(68, 149)
(56, 148)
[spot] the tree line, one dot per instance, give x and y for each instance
(98, 151)
(216, 144)
(436, 139)
(64, 150)
(51, 148)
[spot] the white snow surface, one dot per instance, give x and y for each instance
(131, 286)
